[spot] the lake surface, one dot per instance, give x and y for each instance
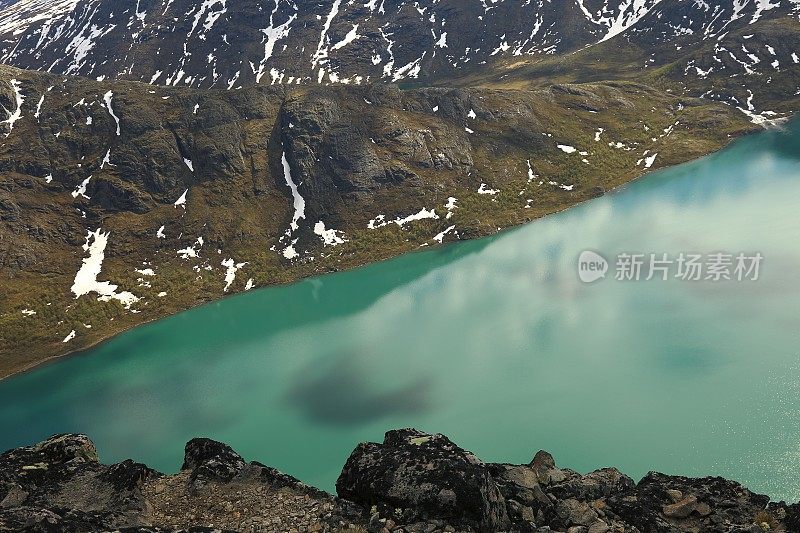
(495, 342)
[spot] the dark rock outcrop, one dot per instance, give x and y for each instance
(59, 485)
(427, 477)
(413, 482)
(661, 503)
(210, 460)
(401, 480)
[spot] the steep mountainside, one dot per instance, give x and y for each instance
(745, 54)
(216, 43)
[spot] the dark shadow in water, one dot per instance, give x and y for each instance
(342, 395)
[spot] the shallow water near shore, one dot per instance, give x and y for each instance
(495, 342)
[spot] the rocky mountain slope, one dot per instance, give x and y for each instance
(214, 44)
(744, 54)
(412, 482)
(122, 201)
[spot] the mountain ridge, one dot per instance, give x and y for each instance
(211, 44)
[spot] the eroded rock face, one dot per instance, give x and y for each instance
(343, 150)
(428, 477)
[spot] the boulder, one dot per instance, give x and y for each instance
(47, 462)
(576, 513)
(61, 449)
(210, 460)
(681, 509)
(592, 486)
(427, 474)
(674, 503)
(128, 475)
(544, 466)
(59, 485)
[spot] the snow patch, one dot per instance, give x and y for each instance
(80, 190)
(181, 201)
(299, 202)
(230, 273)
(14, 116)
(440, 237)
(191, 251)
(107, 100)
(289, 252)
(351, 36)
(330, 237)
(450, 206)
(86, 278)
(484, 189)
(598, 133)
(380, 220)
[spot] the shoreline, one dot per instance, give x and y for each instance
(94, 345)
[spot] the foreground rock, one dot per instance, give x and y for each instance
(419, 477)
(59, 485)
(412, 482)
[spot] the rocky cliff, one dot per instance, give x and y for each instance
(412, 482)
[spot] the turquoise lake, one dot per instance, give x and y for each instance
(495, 342)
